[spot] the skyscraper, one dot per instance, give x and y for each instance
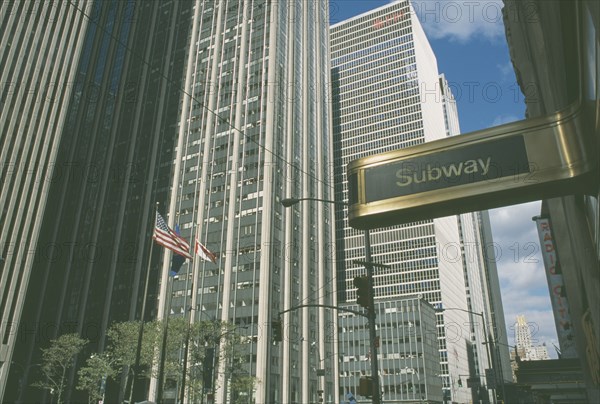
(99, 97)
(36, 68)
(525, 345)
(388, 95)
(254, 129)
(481, 275)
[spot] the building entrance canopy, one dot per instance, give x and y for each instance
(504, 165)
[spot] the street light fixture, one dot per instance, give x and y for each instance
(288, 202)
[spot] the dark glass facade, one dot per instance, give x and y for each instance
(112, 165)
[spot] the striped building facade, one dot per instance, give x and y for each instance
(389, 95)
(39, 40)
(88, 135)
(254, 129)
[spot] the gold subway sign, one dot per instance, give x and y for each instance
(514, 163)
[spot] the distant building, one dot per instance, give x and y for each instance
(408, 356)
(525, 348)
(539, 353)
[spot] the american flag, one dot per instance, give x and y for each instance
(166, 237)
(205, 253)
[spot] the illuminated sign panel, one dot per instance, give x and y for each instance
(514, 163)
(479, 162)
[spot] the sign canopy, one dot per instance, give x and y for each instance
(514, 163)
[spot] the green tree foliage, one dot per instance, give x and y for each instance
(122, 345)
(93, 376)
(242, 387)
(57, 359)
(221, 336)
(120, 356)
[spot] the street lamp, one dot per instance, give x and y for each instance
(499, 362)
(371, 304)
(319, 371)
(485, 339)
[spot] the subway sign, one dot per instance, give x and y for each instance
(504, 165)
(472, 163)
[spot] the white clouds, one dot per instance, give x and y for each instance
(461, 21)
(521, 271)
(513, 223)
(522, 276)
(502, 119)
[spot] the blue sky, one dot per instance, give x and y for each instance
(468, 40)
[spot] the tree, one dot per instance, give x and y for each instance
(198, 337)
(221, 338)
(57, 359)
(241, 383)
(122, 345)
(93, 376)
(241, 388)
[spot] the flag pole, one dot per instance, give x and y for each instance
(163, 353)
(163, 349)
(187, 344)
(187, 331)
(138, 350)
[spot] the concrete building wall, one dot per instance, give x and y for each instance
(254, 129)
(387, 96)
(555, 53)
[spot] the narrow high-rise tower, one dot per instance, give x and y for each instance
(255, 129)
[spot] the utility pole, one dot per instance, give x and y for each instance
(371, 315)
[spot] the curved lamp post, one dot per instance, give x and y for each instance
(371, 309)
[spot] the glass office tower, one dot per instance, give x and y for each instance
(38, 43)
(388, 95)
(254, 129)
(88, 125)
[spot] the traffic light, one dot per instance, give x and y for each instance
(365, 386)
(277, 332)
(363, 292)
(208, 365)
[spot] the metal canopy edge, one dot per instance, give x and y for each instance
(513, 163)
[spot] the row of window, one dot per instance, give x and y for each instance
(399, 122)
(376, 103)
(380, 45)
(397, 58)
(347, 37)
(370, 55)
(380, 115)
